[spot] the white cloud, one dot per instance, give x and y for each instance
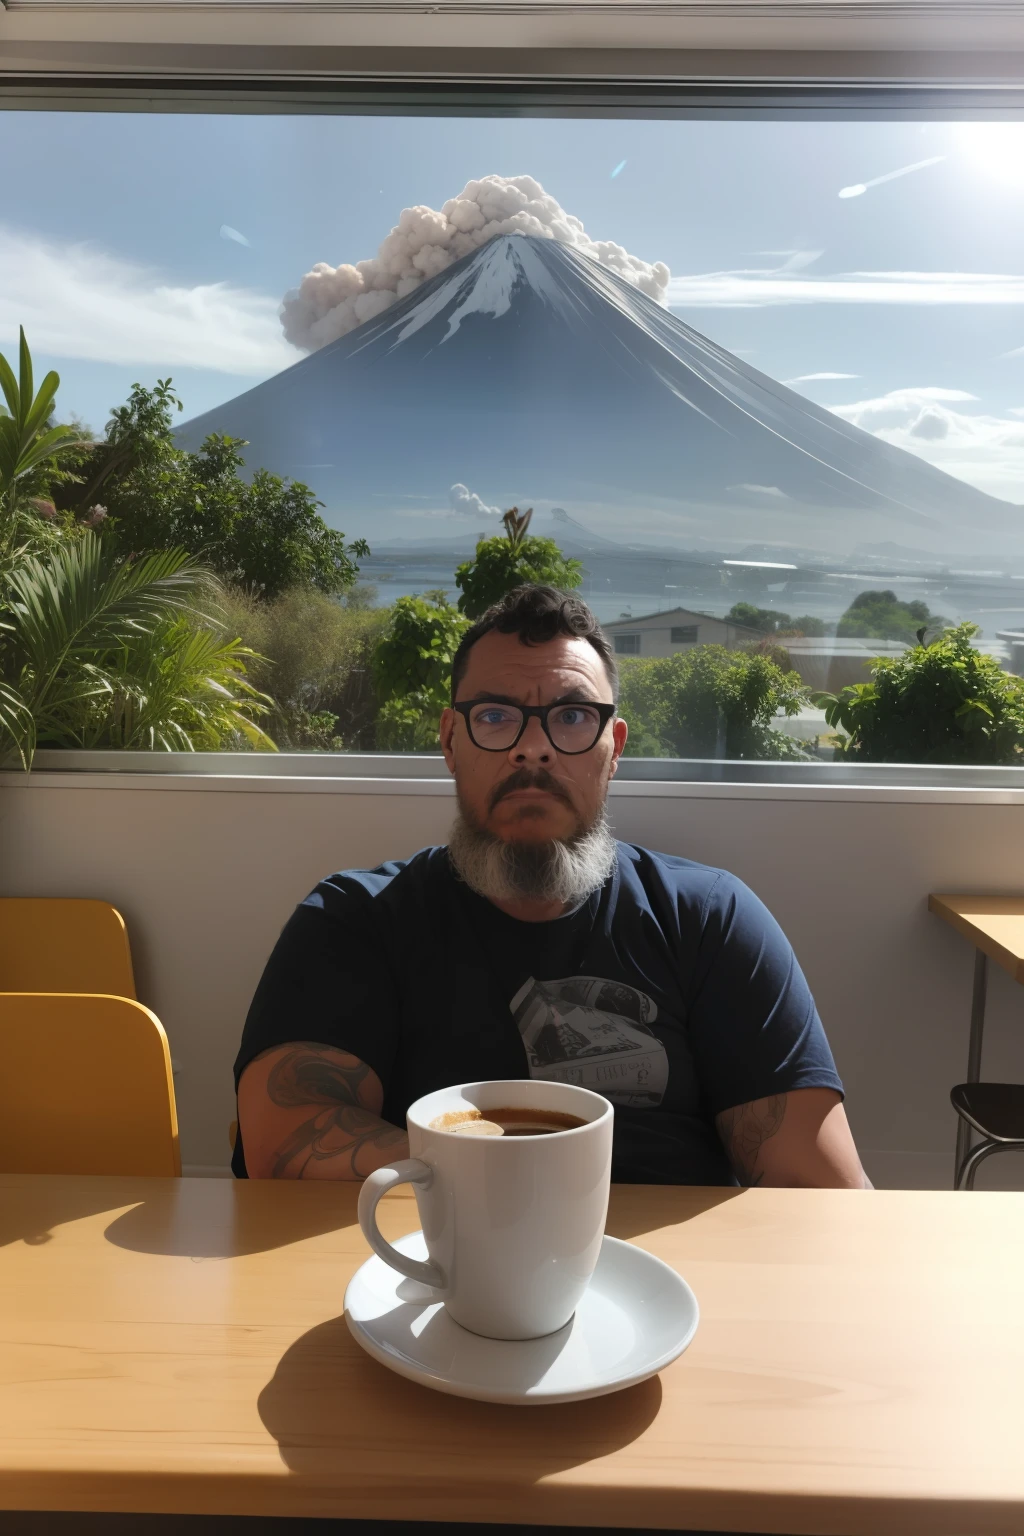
(811, 378)
(79, 301)
(332, 301)
(986, 451)
(466, 503)
(760, 490)
(753, 288)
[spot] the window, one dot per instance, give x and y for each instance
(821, 444)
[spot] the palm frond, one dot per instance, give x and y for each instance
(17, 727)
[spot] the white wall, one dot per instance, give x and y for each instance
(206, 871)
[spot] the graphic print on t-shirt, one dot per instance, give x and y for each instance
(593, 1033)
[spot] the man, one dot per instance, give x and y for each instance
(534, 945)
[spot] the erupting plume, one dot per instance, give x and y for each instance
(331, 301)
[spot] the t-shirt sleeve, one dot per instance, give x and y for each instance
(754, 1029)
(327, 980)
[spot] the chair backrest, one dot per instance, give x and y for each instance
(53, 944)
(85, 1086)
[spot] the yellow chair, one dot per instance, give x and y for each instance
(85, 1087)
(49, 944)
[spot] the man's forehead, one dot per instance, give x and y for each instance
(503, 663)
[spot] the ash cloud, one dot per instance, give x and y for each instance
(466, 503)
(331, 301)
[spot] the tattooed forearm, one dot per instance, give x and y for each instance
(744, 1131)
(345, 1132)
(341, 1125)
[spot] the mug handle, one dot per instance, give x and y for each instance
(409, 1171)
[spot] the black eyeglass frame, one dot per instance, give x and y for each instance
(540, 712)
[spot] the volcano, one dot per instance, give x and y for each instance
(531, 373)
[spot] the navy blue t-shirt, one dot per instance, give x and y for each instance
(672, 991)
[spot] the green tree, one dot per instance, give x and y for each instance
(884, 616)
(772, 621)
(515, 560)
(946, 702)
(412, 669)
(314, 659)
(765, 620)
(709, 702)
(262, 532)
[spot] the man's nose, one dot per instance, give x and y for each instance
(533, 745)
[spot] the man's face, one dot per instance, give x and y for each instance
(531, 792)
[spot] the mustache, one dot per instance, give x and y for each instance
(528, 778)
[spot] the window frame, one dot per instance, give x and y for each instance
(760, 59)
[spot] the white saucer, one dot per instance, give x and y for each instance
(636, 1316)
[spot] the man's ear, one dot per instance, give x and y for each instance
(446, 731)
(620, 732)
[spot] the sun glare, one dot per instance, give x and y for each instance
(994, 150)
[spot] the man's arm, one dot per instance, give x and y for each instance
(796, 1140)
(308, 1111)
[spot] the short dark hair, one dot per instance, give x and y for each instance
(537, 614)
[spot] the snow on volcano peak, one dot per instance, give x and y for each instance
(332, 301)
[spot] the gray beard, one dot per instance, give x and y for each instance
(567, 872)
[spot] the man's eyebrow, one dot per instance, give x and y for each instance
(574, 696)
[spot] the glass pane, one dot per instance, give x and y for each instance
(761, 383)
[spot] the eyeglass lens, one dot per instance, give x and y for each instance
(572, 727)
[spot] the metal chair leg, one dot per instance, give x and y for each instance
(971, 1163)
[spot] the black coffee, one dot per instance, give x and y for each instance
(506, 1122)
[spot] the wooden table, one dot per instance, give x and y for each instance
(995, 926)
(179, 1346)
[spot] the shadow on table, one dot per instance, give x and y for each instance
(328, 1403)
(221, 1219)
(29, 1213)
(635, 1209)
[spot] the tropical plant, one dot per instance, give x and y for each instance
(262, 531)
(97, 653)
(501, 563)
(884, 616)
(708, 702)
(946, 702)
(412, 669)
(315, 661)
(27, 443)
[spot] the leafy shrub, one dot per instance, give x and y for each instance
(314, 661)
(412, 669)
(946, 702)
(514, 560)
(708, 702)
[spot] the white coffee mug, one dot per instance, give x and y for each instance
(512, 1224)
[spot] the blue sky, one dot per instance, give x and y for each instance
(111, 251)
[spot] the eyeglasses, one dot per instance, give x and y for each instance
(570, 728)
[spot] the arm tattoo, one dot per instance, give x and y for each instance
(745, 1129)
(341, 1126)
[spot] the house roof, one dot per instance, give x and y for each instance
(670, 615)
